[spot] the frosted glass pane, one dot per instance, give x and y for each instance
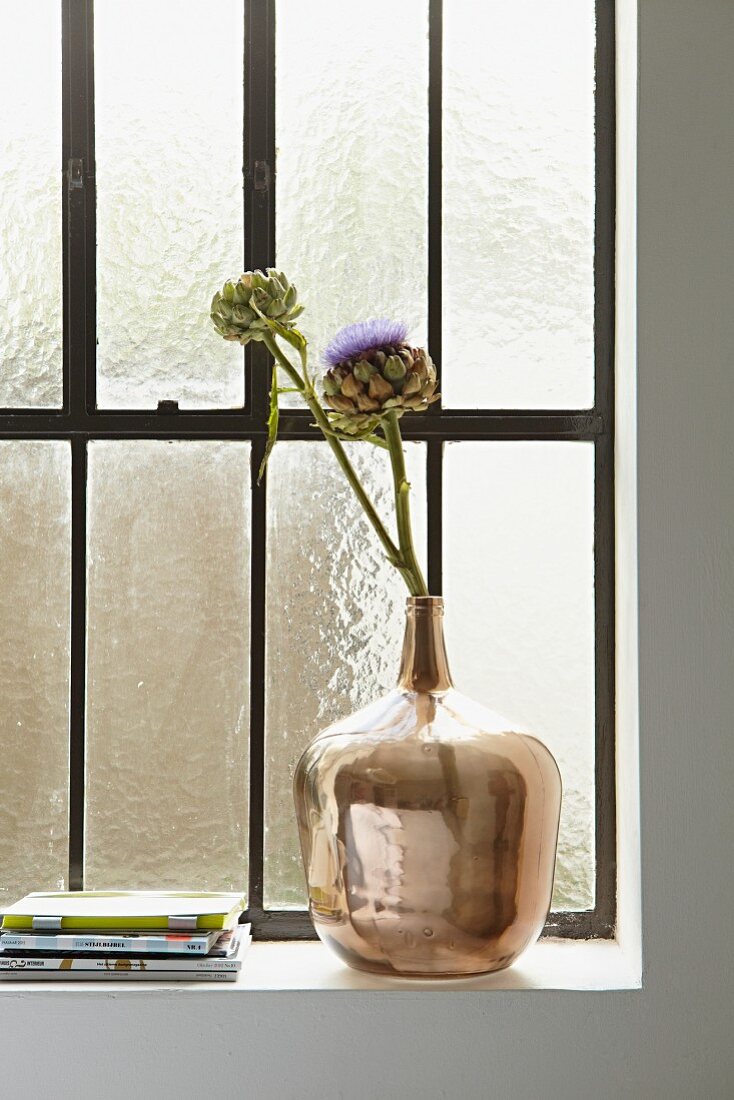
(167, 665)
(519, 585)
(352, 149)
(518, 242)
(30, 205)
(35, 487)
(169, 199)
(335, 620)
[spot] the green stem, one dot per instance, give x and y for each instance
(391, 428)
(309, 395)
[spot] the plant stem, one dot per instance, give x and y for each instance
(305, 388)
(391, 429)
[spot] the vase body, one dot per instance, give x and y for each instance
(428, 827)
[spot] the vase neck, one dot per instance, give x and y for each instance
(424, 665)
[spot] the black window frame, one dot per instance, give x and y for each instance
(79, 421)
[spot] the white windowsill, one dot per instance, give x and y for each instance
(292, 967)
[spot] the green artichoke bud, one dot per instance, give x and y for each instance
(362, 389)
(239, 308)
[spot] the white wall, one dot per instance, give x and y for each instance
(673, 1039)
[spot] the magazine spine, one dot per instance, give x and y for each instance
(140, 944)
(112, 964)
(119, 975)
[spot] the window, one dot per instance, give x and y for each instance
(171, 634)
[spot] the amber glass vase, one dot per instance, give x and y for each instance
(428, 827)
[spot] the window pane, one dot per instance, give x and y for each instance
(518, 204)
(335, 619)
(35, 564)
(30, 205)
(167, 665)
(519, 582)
(352, 135)
(169, 199)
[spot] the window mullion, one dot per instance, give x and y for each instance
(79, 346)
(259, 153)
(604, 916)
(77, 699)
(78, 206)
(434, 448)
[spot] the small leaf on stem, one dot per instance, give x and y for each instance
(272, 423)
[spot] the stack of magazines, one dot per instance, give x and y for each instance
(128, 936)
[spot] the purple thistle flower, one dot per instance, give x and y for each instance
(355, 339)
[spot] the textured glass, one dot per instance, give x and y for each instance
(335, 620)
(352, 138)
(168, 101)
(519, 587)
(35, 486)
(518, 200)
(167, 665)
(30, 205)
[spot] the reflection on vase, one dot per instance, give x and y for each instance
(428, 828)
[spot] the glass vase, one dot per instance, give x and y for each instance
(428, 827)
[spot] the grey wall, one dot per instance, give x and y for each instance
(673, 1039)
